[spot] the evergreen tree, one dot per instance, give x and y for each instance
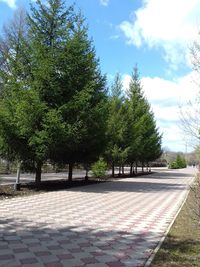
(136, 110)
(116, 152)
(53, 100)
(151, 145)
(142, 137)
(68, 78)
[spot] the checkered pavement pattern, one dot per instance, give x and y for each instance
(112, 224)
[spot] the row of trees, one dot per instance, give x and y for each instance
(54, 103)
(132, 134)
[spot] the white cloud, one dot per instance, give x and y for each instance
(171, 25)
(165, 98)
(104, 2)
(10, 3)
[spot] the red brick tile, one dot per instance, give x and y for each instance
(54, 264)
(65, 256)
(20, 250)
(54, 247)
(29, 261)
(42, 253)
(98, 253)
(75, 250)
(89, 260)
(115, 264)
(6, 257)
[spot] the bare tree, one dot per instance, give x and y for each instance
(190, 113)
(15, 34)
(190, 124)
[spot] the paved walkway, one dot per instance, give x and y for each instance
(104, 225)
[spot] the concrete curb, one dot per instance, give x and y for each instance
(150, 259)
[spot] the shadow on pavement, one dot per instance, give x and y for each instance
(44, 244)
(168, 175)
(130, 186)
(154, 182)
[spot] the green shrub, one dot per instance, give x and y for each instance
(179, 163)
(99, 168)
(173, 165)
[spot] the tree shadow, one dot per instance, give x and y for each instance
(134, 186)
(23, 241)
(152, 182)
(126, 184)
(169, 175)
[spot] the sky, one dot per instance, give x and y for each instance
(154, 34)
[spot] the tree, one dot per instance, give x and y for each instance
(142, 136)
(189, 113)
(151, 145)
(137, 109)
(179, 163)
(54, 96)
(116, 151)
(24, 116)
(14, 58)
(69, 80)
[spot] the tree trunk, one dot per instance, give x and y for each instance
(113, 170)
(7, 166)
(142, 167)
(70, 172)
(38, 172)
(147, 169)
(149, 165)
(122, 169)
(86, 175)
(131, 169)
(119, 174)
(136, 167)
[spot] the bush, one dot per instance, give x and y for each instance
(179, 163)
(99, 168)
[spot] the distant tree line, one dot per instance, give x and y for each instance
(54, 102)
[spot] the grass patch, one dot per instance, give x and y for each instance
(182, 245)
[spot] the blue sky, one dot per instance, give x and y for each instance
(155, 34)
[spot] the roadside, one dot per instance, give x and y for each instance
(51, 182)
(52, 176)
(182, 245)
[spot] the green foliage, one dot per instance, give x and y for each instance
(142, 136)
(99, 168)
(179, 163)
(116, 150)
(197, 153)
(53, 98)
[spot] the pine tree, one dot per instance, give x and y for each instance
(53, 99)
(142, 136)
(68, 78)
(116, 151)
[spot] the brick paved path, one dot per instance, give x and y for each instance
(110, 224)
